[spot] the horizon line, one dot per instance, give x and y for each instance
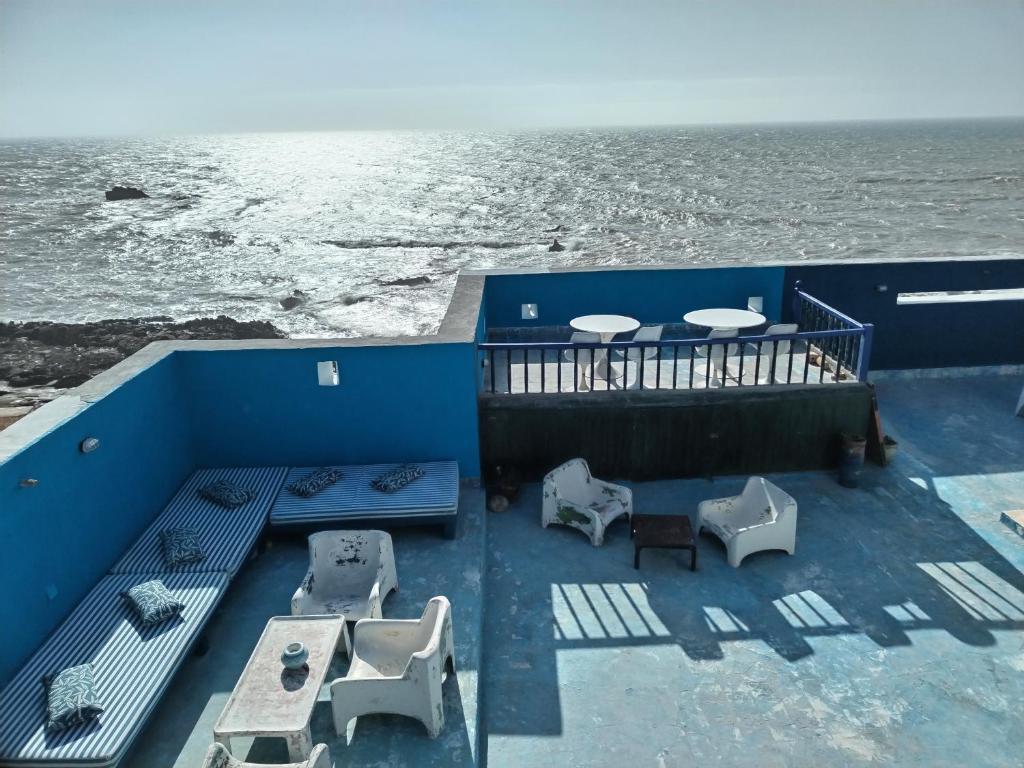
(525, 128)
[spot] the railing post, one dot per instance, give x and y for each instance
(864, 358)
(796, 301)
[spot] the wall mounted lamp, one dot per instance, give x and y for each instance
(530, 312)
(89, 444)
(327, 373)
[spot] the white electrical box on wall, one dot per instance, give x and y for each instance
(327, 373)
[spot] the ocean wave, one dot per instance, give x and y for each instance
(359, 245)
(994, 177)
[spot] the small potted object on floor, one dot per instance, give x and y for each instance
(851, 460)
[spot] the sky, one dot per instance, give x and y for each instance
(99, 67)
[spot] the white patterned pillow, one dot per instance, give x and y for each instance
(153, 602)
(71, 698)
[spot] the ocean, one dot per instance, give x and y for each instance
(372, 228)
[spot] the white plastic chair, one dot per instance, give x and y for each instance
(350, 572)
(647, 333)
(397, 668)
(715, 355)
(574, 497)
(218, 756)
(772, 352)
(761, 518)
(582, 357)
(635, 354)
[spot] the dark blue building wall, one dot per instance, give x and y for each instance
(412, 402)
(924, 335)
(649, 295)
(63, 534)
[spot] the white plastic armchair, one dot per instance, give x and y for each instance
(761, 518)
(574, 497)
(398, 668)
(217, 756)
(350, 573)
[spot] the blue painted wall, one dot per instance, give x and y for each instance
(63, 534)
(394, 403)
(925, 335)
(651, 296)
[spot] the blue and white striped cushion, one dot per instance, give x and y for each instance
(436, 493)
(226, 535)
(132, 666)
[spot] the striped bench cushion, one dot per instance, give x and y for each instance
(133, 665)
(226, 535)
(437, 493)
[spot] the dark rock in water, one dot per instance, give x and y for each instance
(220, 237)
(348, 301)
(407, 281)
(65, 355)
(556, 246)
(559, 228)
(291, 302)
(125, 193)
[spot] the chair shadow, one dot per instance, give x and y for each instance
(370, 737)
(883, 561)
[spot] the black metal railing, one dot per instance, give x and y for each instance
(814, 315)
(829, 347)
(819, 356)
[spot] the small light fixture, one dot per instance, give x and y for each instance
(28, 482)
(89, 445)
(755, 303)
(882, 288)
(530, 312)
(327, 373)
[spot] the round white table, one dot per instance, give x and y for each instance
(724, 319)
(606, 326)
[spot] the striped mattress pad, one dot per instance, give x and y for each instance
(226, 535)
(133, 665)
(436, 493)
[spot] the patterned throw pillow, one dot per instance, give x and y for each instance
(397, 479)
(226, 493)
(181, 546)
(71, 698)
(314, 482)
(153, 602)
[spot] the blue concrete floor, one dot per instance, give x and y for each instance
(181, 729)
(894, 635)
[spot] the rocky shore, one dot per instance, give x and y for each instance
(38, 360)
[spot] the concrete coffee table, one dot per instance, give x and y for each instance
(270, 700)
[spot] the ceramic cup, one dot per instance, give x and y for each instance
(294, 655)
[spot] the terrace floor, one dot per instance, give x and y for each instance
(894, 635)
(554, 371)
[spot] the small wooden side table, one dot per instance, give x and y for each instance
(662, 532)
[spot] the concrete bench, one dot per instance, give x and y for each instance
(133, 665)
(226, 535)
(352, 501)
